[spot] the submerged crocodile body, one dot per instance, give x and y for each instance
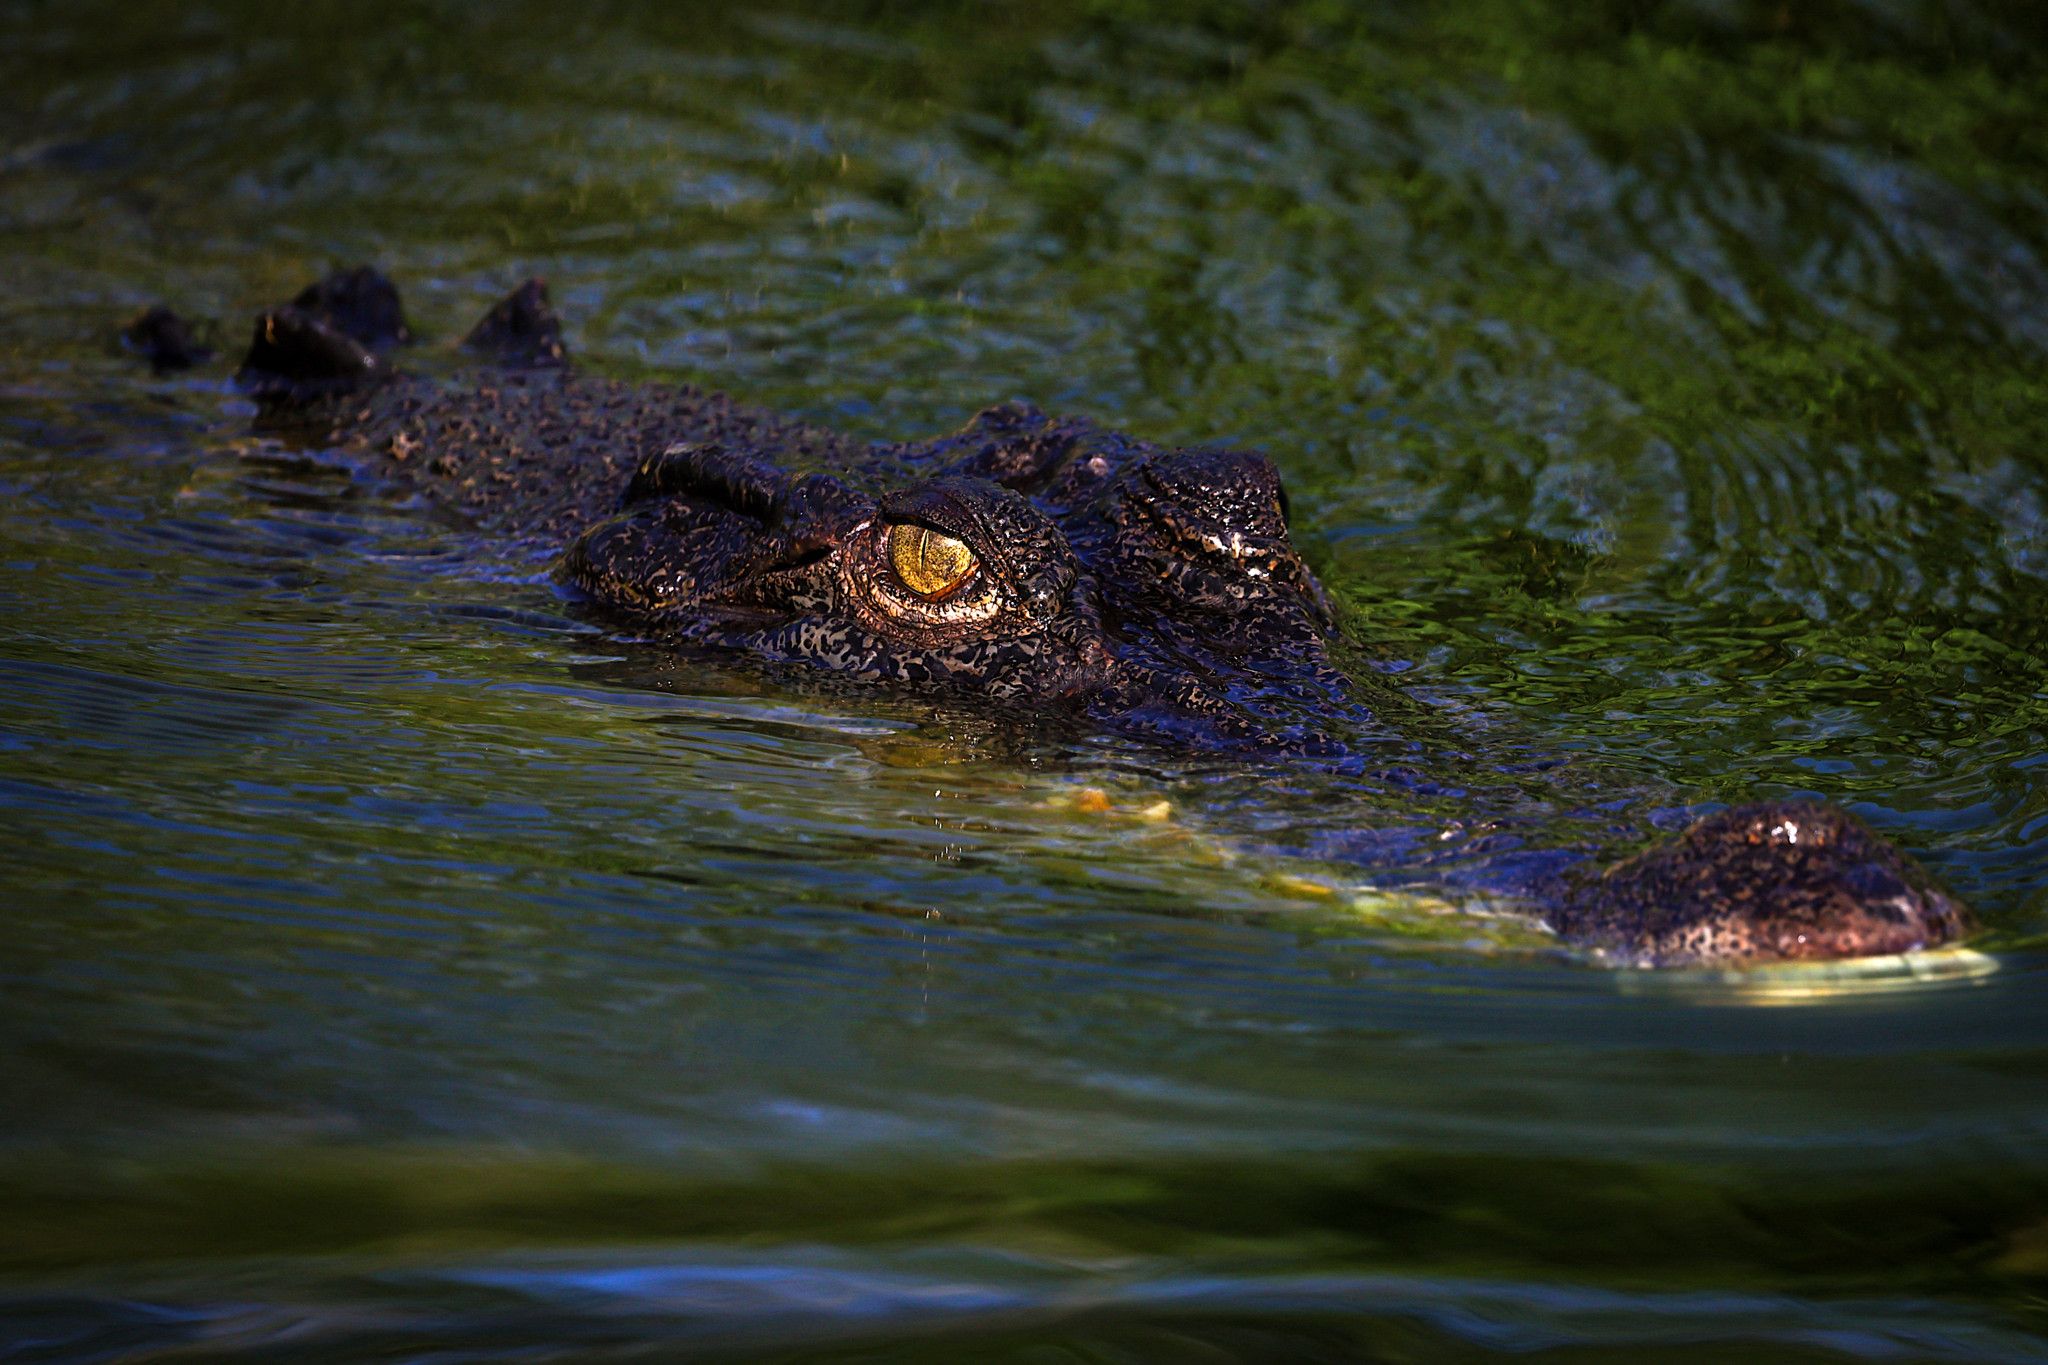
(1042, 563)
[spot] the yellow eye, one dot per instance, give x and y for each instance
(930, 563)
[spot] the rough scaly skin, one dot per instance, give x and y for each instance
(1782, 881)
(1153, 592)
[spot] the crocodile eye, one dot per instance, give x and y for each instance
(930, 563)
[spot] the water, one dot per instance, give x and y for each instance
(396, 967)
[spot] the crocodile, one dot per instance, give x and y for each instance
(1041, 565)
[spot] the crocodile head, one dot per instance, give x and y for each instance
(1024, 559)
(1044, 564)
(1160, 593)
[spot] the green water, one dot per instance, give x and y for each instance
(395, 968)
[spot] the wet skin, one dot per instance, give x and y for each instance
(1041, 563)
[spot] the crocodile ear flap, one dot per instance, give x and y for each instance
(1013, 444)
(800, 518)
(708, 472)
(684, 534)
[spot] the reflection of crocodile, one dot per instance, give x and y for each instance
(1043, 562)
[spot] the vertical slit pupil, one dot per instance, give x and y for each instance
(929, 562)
